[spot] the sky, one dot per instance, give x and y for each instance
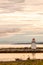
(21, 20)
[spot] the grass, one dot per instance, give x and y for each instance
(27, 62)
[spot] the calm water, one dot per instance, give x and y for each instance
(24, 56)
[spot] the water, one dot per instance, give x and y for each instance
(23, 56)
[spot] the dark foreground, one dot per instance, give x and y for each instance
(27, 62)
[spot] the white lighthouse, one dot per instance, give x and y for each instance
(33, 44)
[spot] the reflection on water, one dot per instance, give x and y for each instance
(24, 56)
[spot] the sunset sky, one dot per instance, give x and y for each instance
(21, 20)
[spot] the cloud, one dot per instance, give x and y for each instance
(41, 13)
(9, 30)
(16, 1)
(6, 32)
(34, 2)
(9, 6)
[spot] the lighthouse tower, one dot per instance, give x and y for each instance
(33, 44)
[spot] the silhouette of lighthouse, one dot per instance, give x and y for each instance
(33, 44)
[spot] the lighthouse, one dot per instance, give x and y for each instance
(33, 44)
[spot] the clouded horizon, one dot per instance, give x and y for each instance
(21, 20)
